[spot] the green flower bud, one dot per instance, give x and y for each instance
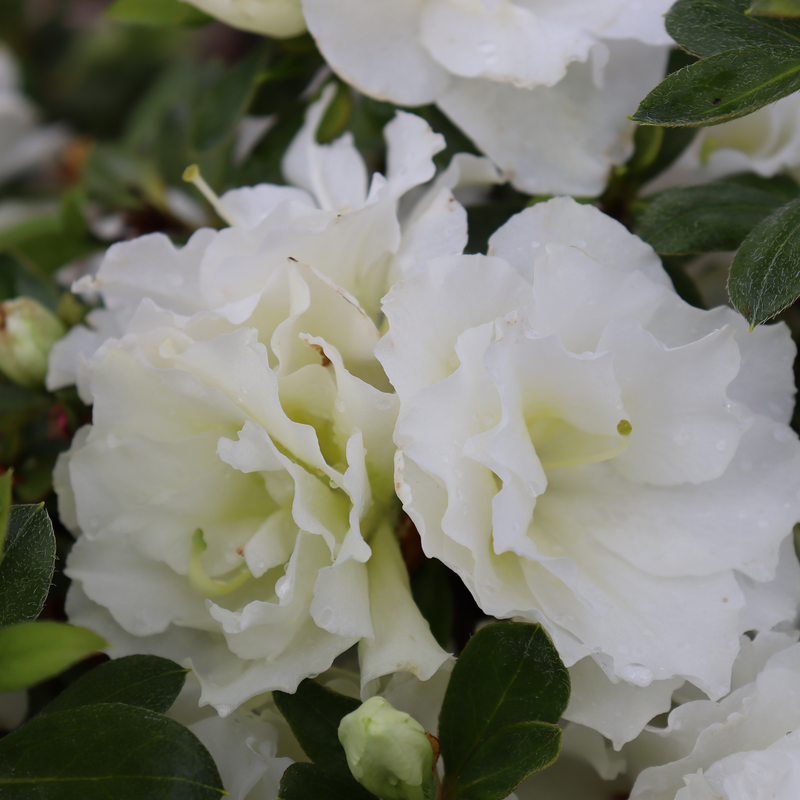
(27, 332)
(388, 751)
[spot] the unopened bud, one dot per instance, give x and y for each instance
(27, 332)
(388, 751)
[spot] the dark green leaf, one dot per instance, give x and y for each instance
(27, 568)
(430, 586)
(44, 225)
(678, 59)
(764, 275)
(700, 219)
(5, 508)
(157, 13)
(784, 187)
(723, 87)
(109, 750)
(144, 681)
(708, 27)
(310, 782)
(775, 8)
(504, 760)
(227, 101)
(47, 242)
(314, 713)
(509, 672)
(30, 651)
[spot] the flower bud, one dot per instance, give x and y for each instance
(388, 751)
(27, 332)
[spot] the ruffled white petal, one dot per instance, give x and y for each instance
(564, 139)
(378, 50)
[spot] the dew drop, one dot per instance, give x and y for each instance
(384, 402)
(721, 445)
(534, 243)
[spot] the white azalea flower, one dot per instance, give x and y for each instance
(244, 747)
(281, 18)
(743, 747)
(588, 451)
(765, 142)
(235, 492)
(541, 87)
(23, 144)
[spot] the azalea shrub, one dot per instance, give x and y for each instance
(397, 399)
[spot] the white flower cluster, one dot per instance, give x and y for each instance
(541, 87)
(581, 446)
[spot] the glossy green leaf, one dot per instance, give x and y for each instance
(5, 508)
(784, 187)
(505, 759)
(314, 713)
(108, 750)
(775, 8)
(27, 567)
(311, 782)
(148, 682)
(765, 277)
(708, 27)
(430, 587)
(700, 219)
(508, 673)
(31, 652)
(157, 13)
(723, 87)
(227, 101)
